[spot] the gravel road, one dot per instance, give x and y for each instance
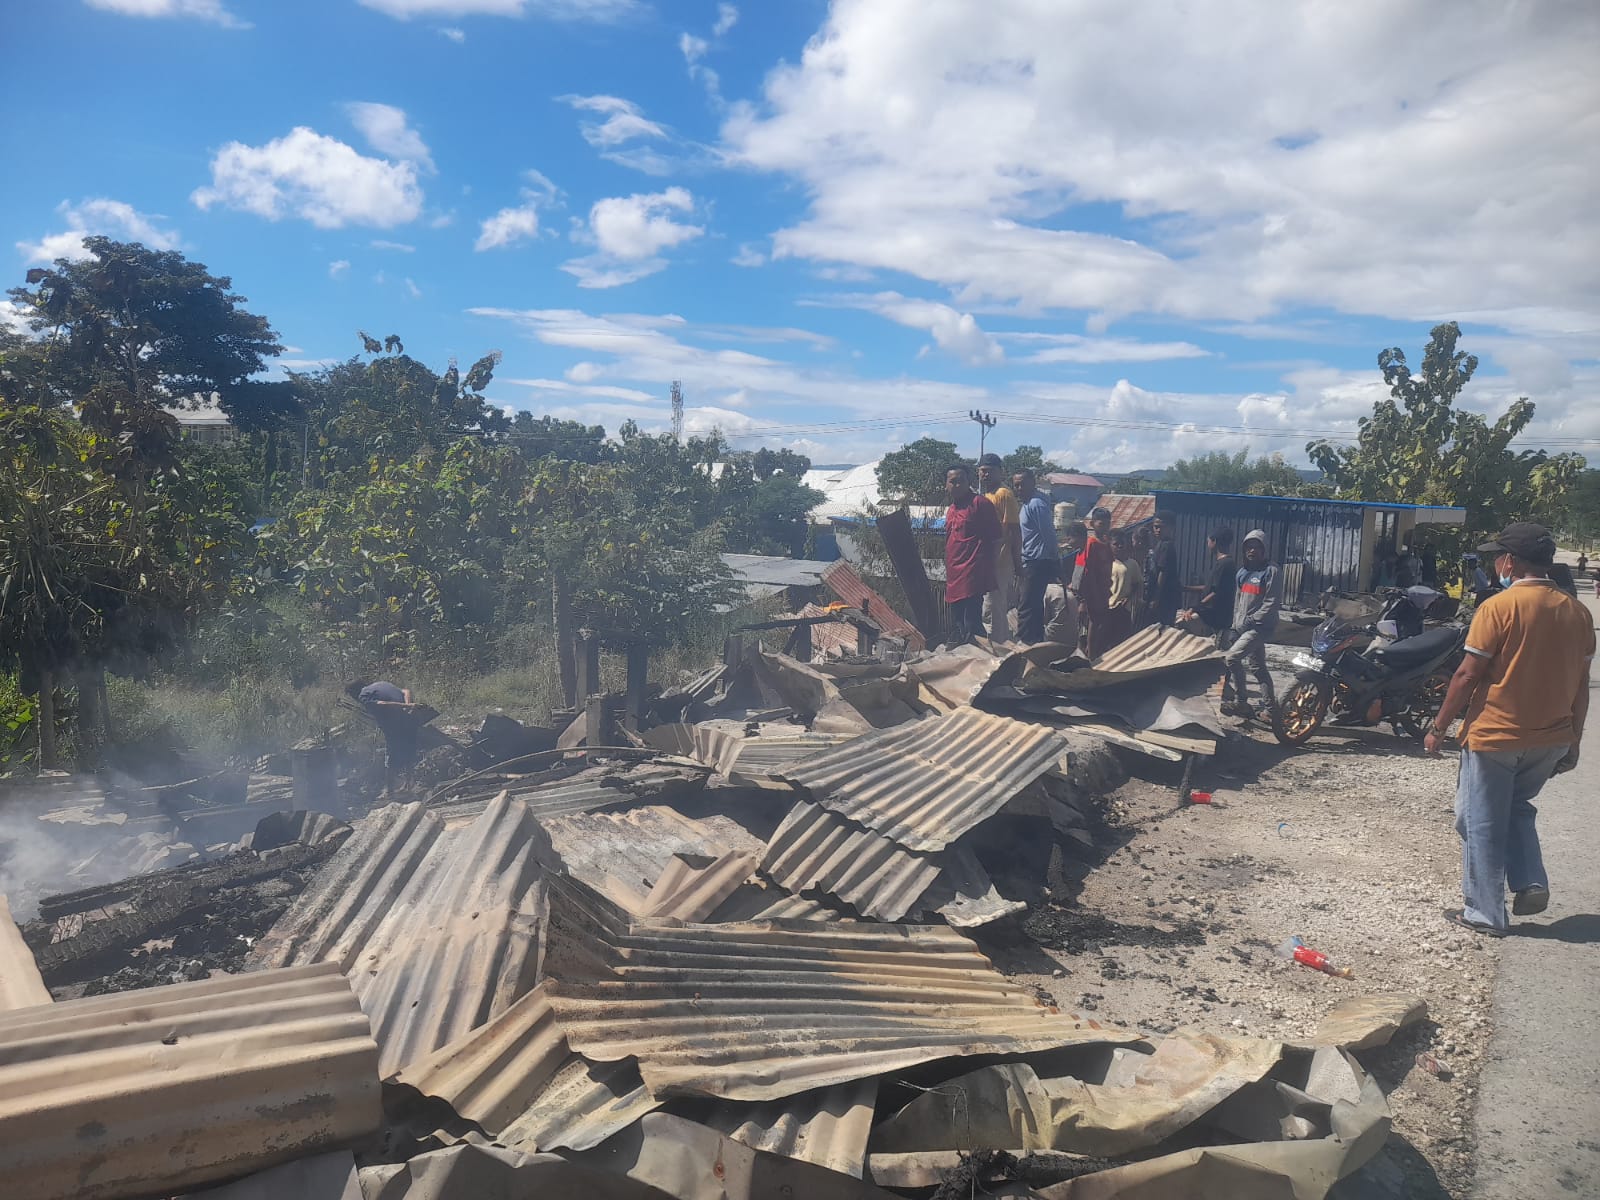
(1349, 843)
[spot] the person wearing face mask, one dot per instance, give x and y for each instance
(1524, 685)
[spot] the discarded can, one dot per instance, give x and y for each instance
(1297, 951)
(1199, 797)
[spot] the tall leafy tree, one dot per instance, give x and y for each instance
(1030, 458)
(128, 328)
(1419, 447)
(914, 474)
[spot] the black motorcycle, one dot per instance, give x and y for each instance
(1362, 672)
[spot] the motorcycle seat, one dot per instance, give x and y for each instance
(1411, 651)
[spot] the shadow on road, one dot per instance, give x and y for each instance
(1580, 929)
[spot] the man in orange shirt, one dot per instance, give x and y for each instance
(1525, 687)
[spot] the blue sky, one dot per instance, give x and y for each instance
(1132, 235)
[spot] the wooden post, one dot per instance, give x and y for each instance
(594, 721)
(901, 545)
(588, 664)
(561, 622)
(638, 676)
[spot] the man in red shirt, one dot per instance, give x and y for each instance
(971, 546)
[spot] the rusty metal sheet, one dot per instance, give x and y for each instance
(330, 1176)
(623, 854)
(828, 1127)
(1154, 650)
(21, 985)
(517, 1080)
(841, 579)
(926, 783)
(437, 928)
(587, 791)
(155, 1091)
(765, 1010)
(815, 850)
(692, 893)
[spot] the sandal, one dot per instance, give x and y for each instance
(1457, 916)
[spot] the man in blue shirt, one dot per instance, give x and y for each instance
(1041, 555)
(393, 711)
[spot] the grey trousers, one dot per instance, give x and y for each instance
(1249, 649)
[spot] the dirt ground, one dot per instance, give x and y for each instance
(1349, 843)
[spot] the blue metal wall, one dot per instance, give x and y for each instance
(1324, 535)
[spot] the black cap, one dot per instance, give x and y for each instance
(991, 459)
(1527, 541)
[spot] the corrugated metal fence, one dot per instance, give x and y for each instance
(1325, 537)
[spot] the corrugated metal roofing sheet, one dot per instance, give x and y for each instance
(692, 893)
(816, 850)
(595, 788)
(772, 570)
(151, 1092)
(828, 1127)
(841, 579)
(768, 1010)
(1151, 651)
(436, 927)
(21, 985)
(1126, 510)
(926, 783)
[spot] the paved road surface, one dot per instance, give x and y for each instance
(1539, 1102)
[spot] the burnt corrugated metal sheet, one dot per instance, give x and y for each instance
(587, 791)
(1126, 510)
(151, 1092)
(436, 927)
(623, 854)
(768, 1010)
(21, 985)
(692, 893)
(816, 850)
(926, 783)
(828, 1127)
(517, 1079)
(841, 579)
(1325, 535)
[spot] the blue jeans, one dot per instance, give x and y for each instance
(1494, 816)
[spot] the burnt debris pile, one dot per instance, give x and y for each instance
(719, 947)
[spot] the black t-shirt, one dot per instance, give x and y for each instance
(1164, 585)
(1224, 578)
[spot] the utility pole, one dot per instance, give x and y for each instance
(677, 411)
(985, 423)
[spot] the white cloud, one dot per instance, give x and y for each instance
(412, 289)
(727, 18)
(624, 121)
(455, 35)
(201, 10)
(518, 223)
(317, 178)
(956, 333)
(14, 319)
(642, 225)
(1073, 348)
(1323, 164)
(387, 131)
(583, 372)
(749, 255)
(110, 218)
(629, 233)
(338, 268)
(693, 48)
(555, 10)
(579, 389)
(508, 227)
(397, 247)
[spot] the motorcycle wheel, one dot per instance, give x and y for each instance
(1301, 711)
(1423, 706)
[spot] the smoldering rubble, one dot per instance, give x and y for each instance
(717, 941)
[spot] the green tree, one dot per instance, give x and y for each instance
(129, 328)
(766, 463)
(1029, 458)
(1417, 447)
(915, 473)
(1579, 521)
(1235, 474)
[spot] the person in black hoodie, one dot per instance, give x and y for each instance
(1216, 605)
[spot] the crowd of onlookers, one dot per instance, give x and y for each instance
(1089, 588)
